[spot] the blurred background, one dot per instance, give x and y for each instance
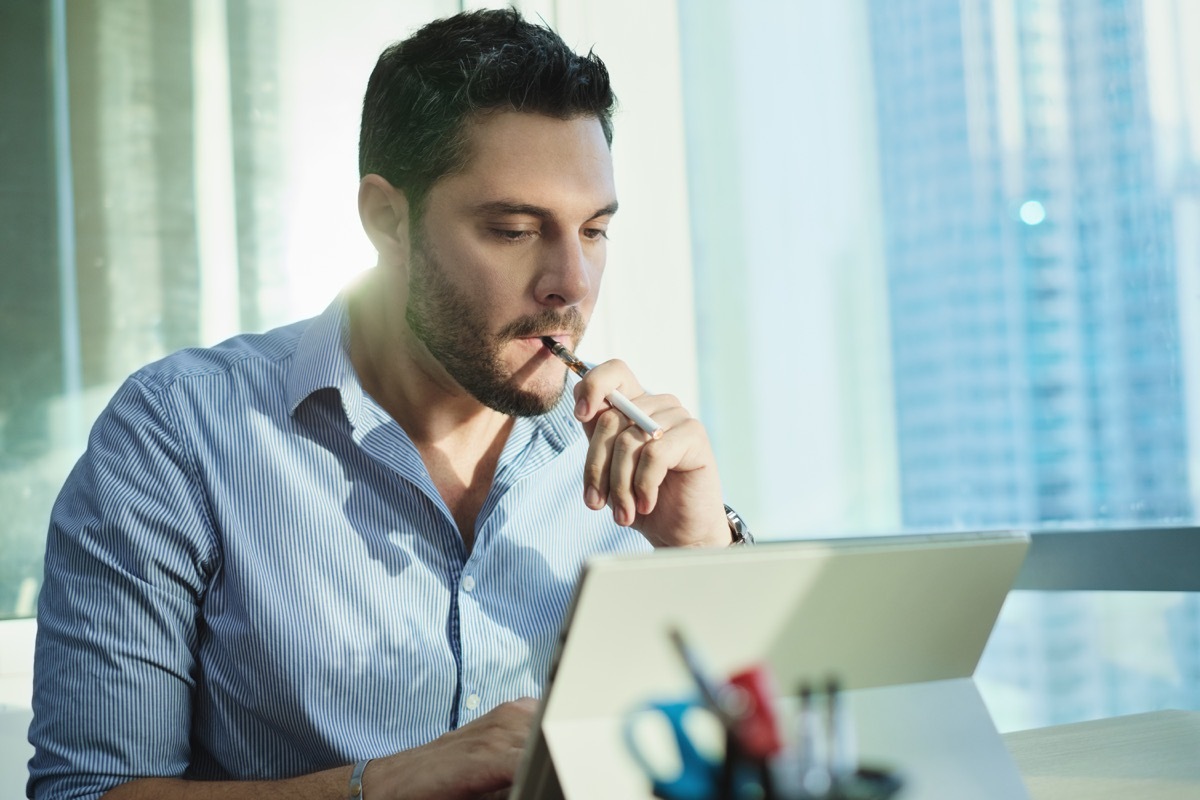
(918, 264)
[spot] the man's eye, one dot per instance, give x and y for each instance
(595, 233)
(510, 235)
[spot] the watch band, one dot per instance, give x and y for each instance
(356, 790)
(739, 531)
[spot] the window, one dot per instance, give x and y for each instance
(171, 167)
(871, 184)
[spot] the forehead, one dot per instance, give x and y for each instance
(532, 158)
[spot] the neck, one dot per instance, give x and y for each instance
(397, 370)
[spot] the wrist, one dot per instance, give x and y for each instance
(431, 771)
(356, 779)
(401, 776)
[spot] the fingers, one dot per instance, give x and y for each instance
(596, 470)
(515, 716)
(668, 488)
(625, 467)
(477, 760)
(602, 380)
(486, 751)
(628, 470)
(632, 489)
(503, 731)
(657, 459)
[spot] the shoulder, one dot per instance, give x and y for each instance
(163, 410)
(239, 358)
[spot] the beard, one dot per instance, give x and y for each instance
(447, 323)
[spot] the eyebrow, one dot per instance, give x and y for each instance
(528, 209)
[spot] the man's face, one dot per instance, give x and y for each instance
(510, 249)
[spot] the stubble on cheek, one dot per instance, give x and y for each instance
(450, 326)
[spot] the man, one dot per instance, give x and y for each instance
(354, 537)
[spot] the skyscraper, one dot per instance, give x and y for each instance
(1033, 297)
(1030, 265)
(953, 270)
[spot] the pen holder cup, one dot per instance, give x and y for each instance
(865, 783)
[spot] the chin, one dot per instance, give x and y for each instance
(540, 397)
(517, 403)
(529, 398)
(545, 395)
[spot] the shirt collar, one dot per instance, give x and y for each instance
(559, 423)
(322, 361)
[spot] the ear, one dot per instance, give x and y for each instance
(383, 210)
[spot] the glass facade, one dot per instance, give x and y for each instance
(1037, 354)
(1031, 266)
(1026, 204)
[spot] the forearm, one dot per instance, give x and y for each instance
(392, 778)
(332, 784)
(473, 761)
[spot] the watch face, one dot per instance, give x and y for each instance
(738, 529)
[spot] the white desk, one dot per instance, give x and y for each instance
(1154, 756)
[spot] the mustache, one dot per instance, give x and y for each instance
(544, 322)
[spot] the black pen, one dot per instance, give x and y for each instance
(617, 400)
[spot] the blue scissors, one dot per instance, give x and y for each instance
(699, 777)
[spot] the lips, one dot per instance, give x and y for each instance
(561, 338)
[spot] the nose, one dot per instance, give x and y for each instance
(565, 277)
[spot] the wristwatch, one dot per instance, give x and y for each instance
(739, 531)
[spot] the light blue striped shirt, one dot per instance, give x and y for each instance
(250, 574)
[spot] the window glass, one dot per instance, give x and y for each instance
(171, 173)
(947, 257)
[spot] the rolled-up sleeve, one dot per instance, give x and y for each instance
(129, 552)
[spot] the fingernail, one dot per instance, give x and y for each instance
(591, 496)
(581, 408)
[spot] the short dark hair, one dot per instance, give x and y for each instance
(425, 88)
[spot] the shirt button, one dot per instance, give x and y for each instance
(468, 583)
(472, 702)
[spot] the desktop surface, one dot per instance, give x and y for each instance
(1153, 756)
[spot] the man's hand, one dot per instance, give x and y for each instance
(476, 762)
(478, 759)
(668, 488)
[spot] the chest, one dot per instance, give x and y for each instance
(463, 480)
(465, 504)
(345, 601)
(363, 613)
